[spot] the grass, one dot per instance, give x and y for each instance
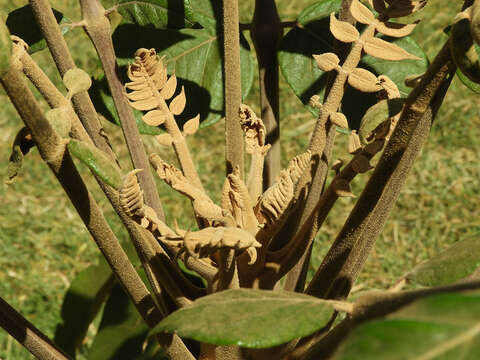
(43, 243)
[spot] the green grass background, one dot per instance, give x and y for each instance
(43, 243)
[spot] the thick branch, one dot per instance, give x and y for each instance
(233, 92)
(64, 61)
(28, 335)
(347, 255)
(296, 277)
(52, 149)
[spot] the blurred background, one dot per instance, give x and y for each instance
(43, 243)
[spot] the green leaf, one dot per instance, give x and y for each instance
(306, 79)
(442, 327)
(86, 294)
(122, 331)
(207, 13)
(161, 14)
(97, 161)
(188, 52)
(453, 264)
(467, 82)
(21, 22)
(103, 102)
(248, 318)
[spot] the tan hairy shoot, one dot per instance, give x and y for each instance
(255, 133)
(150, 89)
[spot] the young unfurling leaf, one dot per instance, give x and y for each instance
(191, 126)
(178, 103)
(342, 30)
(384, 50)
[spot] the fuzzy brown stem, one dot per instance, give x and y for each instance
(233, 91)
(310, 186)
(110, 248)
(52, 149)
(287, 255)
(266, 33)
(58, 48)
(97, 27)
(56, 99)
(228, 273)
(28, 335)
(295, 280)
(347, 255)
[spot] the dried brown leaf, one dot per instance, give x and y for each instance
(394, 29)
(191, 126)
(154, 118)
(178, 103)
(339, 119)
(384, 50)
(169, 88)
(361, 13)
(342, 30)
(327, 61)
(363, 80)
(164, 139)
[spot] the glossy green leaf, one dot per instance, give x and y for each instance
(248, 318)
(207, 13)
(453, 264)
(21, 22)
(97, 161)
(161, 14)
(86, 294)
(306, 79)
(102, 100)
(189, 52)
(122, 331)
(441, 327)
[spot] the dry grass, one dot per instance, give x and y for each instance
(43, 243)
